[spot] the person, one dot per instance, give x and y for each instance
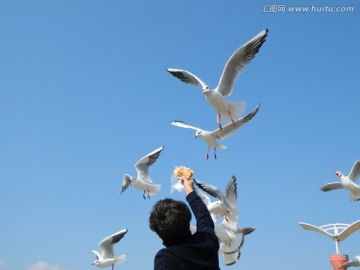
(170, 219)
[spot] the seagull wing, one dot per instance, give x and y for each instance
(203, 196)
(245, 231)
(229, 128)
(206, 201)
(231, 192)
(346, 265)
(355, 171)
(213, 191)
(125, 183)
(107, 243)
(184, 125)
(210, 189)
(186, 77)
(238, 61)
(97, 253)
(142, 166)
(332, 186)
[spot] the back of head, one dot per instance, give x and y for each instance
(170, 219)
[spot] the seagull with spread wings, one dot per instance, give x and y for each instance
(143, 180)
(347, 182)
(226, 202)
(210, 137)
(226, 111)
(107, 255)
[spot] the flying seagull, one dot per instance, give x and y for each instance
(210, 137)
(355, 262)
(107, 256)
(347, 182)
(143, 180)
(232, 253)
(226, 111)
(226, 201)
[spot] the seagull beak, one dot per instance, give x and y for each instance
(196, 136)
(205, 90)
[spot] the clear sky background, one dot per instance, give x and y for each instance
(84, 94)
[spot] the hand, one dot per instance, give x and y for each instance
(188, 185)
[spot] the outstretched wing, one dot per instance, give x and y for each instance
(230, 129)
(125, 183)
(97, 254)
(184, 125)
(347, 264)
(238, 61)
(142, 166)
(355, 171)
(332, 186)
(186, 77)
(213, 191)
(231, 192)
(107, 243)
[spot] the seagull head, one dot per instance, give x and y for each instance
(198, 133)
(338, 174)
(205, 90)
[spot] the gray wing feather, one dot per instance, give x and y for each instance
(332, 186)
(186, 76)
(229, 128)
(125, 183)
(142, 166)
(355, 171)
(231, 192)
(107, 243)
(238, 61)
(213, 191)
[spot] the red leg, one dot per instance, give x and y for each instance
(219, 120)
(231, 118)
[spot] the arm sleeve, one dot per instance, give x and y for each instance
(201, 213)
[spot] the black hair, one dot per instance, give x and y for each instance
(170, 219)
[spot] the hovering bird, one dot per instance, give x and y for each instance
(218, 134)
(232, 253)
(355, 262)
(143, 180)
(226, 111)
(226, 201)
(347, 182)
(107, 256)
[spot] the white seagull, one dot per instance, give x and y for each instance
(107, 256)
(232, 253)
(347, 182)
(143, 180)
(210, 137)
(217, 97)
(226, 201)
(355, 262)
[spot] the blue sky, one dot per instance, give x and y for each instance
(84, 94)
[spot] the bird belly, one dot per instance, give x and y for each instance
(218, 102)
(106, 263)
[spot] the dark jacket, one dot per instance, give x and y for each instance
(199, 251)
